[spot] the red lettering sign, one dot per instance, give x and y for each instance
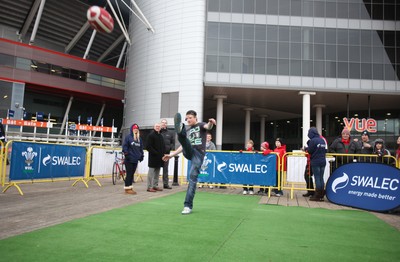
(360, 125)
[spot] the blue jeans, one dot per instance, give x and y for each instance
(318, 172)
(197, 158)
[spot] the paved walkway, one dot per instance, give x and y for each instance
(47, 204)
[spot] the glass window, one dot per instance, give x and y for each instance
(272, 33)
(272, 49)
(283, 67)
(366, 54)
(389, 37)
(319, 52)
(319, 69)
(21, 63)
(354, 70)
(224, 30)
(260, 48)
(211, 63)
(377, 70)
(319, 9)
(224, 47)
(377, 11)
(377, 38)
(295, 8)
(295, 34)
(249, 7)
(248, 32)
(389, 12)
(223, 64)
(259, 66)
(342, 53)
(330, 9)
(343, 36)
(212, 46)
(330, 52)
(308, 8)
(343, 10)
(237, 31)
(366, 71)
(248, 65)
(272, 66)
(283, 50)
(94, 79)
(307, 35)
(7, 60)
(273, 7)
(237, 6)
(237, 47)
(319, 35)
(248, 48)
(295, 67)
(236, 64)
(389, 72)
(212, 30)
(261, 32)
(354, 53)
(295, 50)
(330, 69)
(261, 6)
(284, 33)
(330, 36)
(366, 37)
(377, 55)
(342, 70)
(225, 6)
(213, 5)
(354, 37)
(308, 51)
(354, 10)
(307, 68)
(284, 7)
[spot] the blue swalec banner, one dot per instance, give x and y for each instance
(238, 168)
(370, 186)
(39, 161)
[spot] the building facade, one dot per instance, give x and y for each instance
(268, 68)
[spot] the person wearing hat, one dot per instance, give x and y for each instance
(365, 146)
(264, 148)
(343, 145)
(380, 150)
(133, 151)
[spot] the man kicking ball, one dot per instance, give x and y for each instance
(193, 146)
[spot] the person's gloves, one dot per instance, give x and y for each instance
(265, 152)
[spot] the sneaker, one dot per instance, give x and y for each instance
(211, 187)
(251, 192)
(186, 211)
(157, 189)
(244, 192)
(178, 123)
(200, 186)
(278, 193)
(151, 190)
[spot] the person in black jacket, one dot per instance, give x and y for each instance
(169, 141)
(156, 148)
(133, 151)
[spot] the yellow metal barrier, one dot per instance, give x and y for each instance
(335, 161)
(2, 158)
(18, 182)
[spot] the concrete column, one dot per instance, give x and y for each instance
(318, 114)
(262, 128)
(247, 124)
(306, 115)
(220, 117)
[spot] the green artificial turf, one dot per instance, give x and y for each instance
(221, 228)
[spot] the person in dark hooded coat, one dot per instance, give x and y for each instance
(316, 147)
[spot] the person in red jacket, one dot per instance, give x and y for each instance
(280, 148)
(264, 149)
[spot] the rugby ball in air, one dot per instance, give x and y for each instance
(100, 20)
